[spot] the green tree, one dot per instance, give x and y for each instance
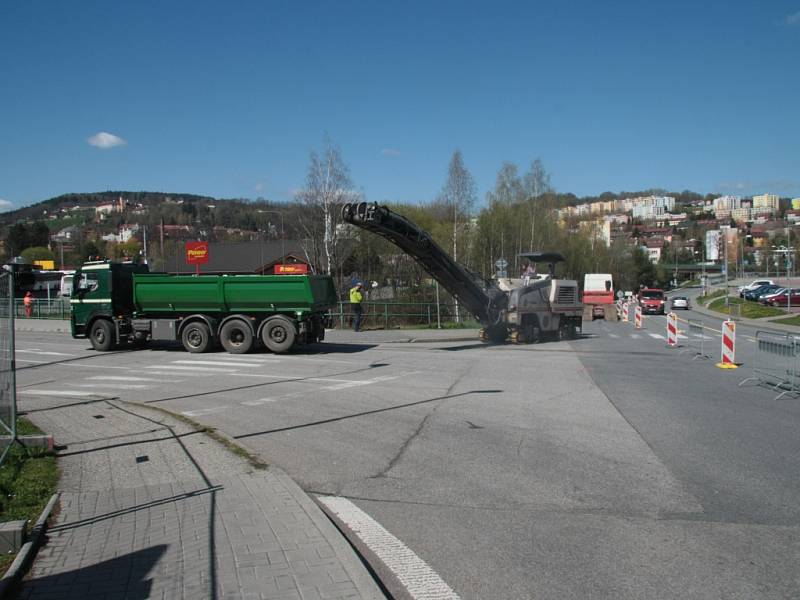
(35, 253)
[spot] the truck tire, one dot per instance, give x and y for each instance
(236, 337)
(196, 337)
(278, 334)
(102, 335)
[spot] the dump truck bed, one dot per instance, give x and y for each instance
(158, 293)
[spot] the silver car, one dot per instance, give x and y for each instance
(681, 302)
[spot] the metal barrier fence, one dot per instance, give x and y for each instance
(8, 383)
(775, 363)
(389, 314)
(696, 339)
(43, 308)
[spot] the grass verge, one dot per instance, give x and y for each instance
(710, 297)
(28, 478)
(749, 310)
(795, 320)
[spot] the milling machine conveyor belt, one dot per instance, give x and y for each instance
(482, 300)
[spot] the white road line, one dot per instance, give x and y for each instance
(196, 369)
(44, 353)
(215, 363)
(613, 335)
(96, 367)
(110, 386)
(203, 411)
(635, 336)
(415, 575)
(122, 378)
(249, 358)
(66, 393)
(258, 402)
(656, 336)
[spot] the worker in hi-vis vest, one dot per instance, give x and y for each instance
(356, 298)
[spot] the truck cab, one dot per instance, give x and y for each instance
(101, 293)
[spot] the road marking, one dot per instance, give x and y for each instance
(613, 335)
(110, 386)
(216, 363)
(94, 366)
(656, 336)
(201, 369)
(258, 402)
(635, 336)
(45, 353)
(120, 378)
(203, 411)
(38, 362)
(414, 574)
(65, 393)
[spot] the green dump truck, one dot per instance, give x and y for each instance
(116, 303)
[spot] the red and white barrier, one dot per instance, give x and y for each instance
(672, 330)
(638, 316)
(728, 345)
(624, 312)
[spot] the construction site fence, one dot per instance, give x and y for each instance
(776, 363)
(387, 315)
(8, 386)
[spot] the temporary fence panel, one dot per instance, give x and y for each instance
(8, 385)
(43, 308)
(775, 362)
(697, 338)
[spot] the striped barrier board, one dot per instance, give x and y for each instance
(728, 345)
(672, 330)
(638, 317)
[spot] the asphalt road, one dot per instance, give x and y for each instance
(607, 467)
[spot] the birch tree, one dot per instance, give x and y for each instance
(328, 186)
(536, 183)
(458, 194)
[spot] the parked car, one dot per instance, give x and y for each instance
(681, 302)
(753, 285)
(767, 297)
(782, 298)
(763, 289)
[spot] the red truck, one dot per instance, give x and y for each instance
(598, 296)
(652, 301)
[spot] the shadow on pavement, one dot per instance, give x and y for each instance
(125, 576)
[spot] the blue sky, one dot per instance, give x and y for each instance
(227, 99)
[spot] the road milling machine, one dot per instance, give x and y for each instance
(535, 308)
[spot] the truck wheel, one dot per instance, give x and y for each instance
(196, 337)
(278, 334)
(102, 335)
(236, 337)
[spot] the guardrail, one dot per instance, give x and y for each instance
(696, 335)
(775, 363)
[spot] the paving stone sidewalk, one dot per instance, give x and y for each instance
(153, 508)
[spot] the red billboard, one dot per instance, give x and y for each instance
(196, 253)
(295, 269)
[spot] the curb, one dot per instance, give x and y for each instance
(22, 562)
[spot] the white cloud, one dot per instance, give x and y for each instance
(105, 140)
(793, 19)
(390, 152)
(6, 205)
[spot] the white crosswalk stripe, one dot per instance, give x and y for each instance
(110, 386)
(57, 393)
(198, 369)
(216, 363)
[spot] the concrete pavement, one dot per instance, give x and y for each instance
(153, 507)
